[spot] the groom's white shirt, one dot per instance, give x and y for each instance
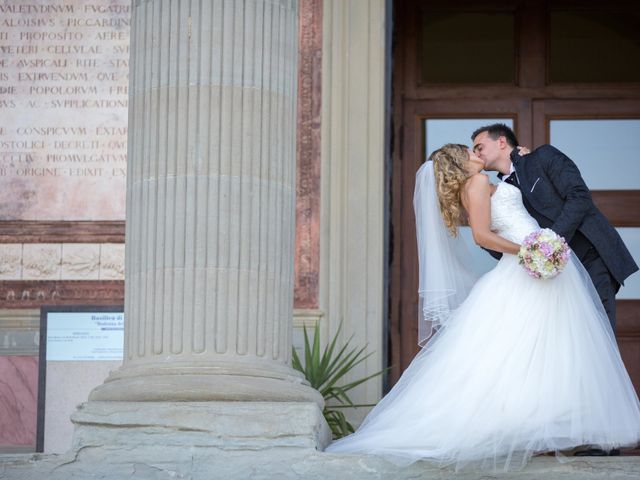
(511, 170)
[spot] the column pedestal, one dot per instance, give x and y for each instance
(165, 427)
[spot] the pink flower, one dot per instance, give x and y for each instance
(546, 249)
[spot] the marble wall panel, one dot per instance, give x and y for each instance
(18, 400)
(307, 249)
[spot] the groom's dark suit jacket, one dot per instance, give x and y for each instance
(555, 194)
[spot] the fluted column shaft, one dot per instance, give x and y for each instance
(210, 203)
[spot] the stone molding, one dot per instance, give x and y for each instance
(306, 317)
(34, 294)
(14, 231)
(20, 319)
(19, 332)
(61, 261)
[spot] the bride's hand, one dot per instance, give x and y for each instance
(523, 150)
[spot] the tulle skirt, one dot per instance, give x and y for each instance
(524, 366)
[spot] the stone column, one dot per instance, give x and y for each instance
(210, 213)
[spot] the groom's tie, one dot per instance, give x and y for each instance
(513, 180)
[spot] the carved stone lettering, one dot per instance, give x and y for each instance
(64, 68)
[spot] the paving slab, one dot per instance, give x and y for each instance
(205, 463)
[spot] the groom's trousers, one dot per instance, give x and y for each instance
(605, 284)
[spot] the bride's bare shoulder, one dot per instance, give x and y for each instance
(478, 186)
(477, 181)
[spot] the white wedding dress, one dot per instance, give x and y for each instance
(523, 366)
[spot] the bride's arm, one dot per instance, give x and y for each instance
(476, 199)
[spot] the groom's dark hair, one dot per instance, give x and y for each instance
(497, 130)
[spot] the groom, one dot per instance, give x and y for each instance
(555, 194)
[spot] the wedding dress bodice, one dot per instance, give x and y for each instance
(509, 217)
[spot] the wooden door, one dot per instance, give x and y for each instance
(537, 93)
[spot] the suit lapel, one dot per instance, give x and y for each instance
(526, 179)
(517, 162)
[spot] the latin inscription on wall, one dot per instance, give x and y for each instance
(63, 109)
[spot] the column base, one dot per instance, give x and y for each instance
(146, 426)
(232, 381)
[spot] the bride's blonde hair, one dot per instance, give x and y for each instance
(450, 173)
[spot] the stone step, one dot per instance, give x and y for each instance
(206, 463)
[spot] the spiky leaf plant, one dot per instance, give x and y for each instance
(324, 372)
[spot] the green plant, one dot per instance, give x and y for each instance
(325, 371)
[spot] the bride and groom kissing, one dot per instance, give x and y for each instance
(511, 366)
(556, 196)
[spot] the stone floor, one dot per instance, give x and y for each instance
(195, 463)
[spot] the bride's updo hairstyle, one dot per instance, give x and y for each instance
(449, 167)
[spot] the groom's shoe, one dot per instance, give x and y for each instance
(593, 452)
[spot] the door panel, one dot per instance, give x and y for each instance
(533, 103)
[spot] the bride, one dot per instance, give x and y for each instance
(517, 366)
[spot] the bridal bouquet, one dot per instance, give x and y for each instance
(544, 253)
